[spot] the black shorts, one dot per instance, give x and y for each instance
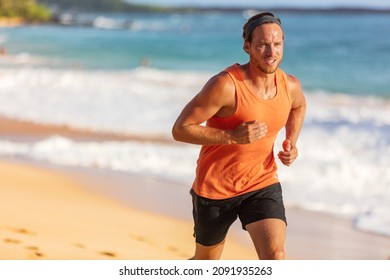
(213, 218)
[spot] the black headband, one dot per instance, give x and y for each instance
(267, 18)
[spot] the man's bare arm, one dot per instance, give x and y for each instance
(294, 123)
(216, 98)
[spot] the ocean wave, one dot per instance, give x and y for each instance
(338, 108)
(110, 23)
(115, 22)
(139, 101)
(146, 100)
(24, 59)
(175, 162)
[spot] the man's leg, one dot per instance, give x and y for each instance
(268, 236)
(212, 220)
(208, 252)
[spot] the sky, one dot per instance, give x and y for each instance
(270, 3)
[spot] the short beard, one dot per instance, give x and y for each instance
(267, 69)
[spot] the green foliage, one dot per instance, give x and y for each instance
(102, 5)
(88, 5)
(26, 9)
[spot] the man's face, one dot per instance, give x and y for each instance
(266, 48)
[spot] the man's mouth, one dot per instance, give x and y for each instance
(270, 61)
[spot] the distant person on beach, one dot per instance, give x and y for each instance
(3, 51)
(244, 107)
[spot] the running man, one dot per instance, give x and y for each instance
(244, 107)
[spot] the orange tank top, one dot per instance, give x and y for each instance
(225, 171)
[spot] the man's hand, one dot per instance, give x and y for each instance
(248, 132)
(289, 153)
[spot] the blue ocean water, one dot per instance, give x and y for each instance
(348, 53)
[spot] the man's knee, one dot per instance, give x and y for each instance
(276, 254)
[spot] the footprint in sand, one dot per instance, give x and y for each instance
(17, 230)
(23, 231)
(108, 254)
(140, 238)
(176, 250)
(10, 240)
(104, 253)
(35, 251)
(171, 248)
(78, 245)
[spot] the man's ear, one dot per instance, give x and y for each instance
(246, 46)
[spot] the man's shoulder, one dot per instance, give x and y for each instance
(232, 68)
(223, 79)
(220, 86)
(293, 81)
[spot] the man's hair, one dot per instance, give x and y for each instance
(256, 20)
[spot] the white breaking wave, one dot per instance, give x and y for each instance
(176, 162)
(144, 100)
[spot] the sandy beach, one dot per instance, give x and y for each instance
(49, 215)
(52, 212)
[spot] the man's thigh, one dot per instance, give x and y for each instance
(266, 203)
(269, 237)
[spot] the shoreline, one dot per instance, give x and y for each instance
(11, 22)
(122, 200)
(15, 128)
